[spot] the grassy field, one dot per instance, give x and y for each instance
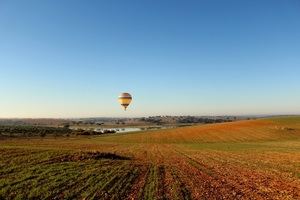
(257, 159)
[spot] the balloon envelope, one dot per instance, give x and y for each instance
(125, 99)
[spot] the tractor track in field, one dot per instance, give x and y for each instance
(158, 179)
(212, 184)
(201, 181)
(183, 193)
(138, 184)
(242, 183)
(194, 180)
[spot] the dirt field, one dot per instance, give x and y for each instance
(241, 160)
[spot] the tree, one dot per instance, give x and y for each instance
(66, 126)
(42, 133)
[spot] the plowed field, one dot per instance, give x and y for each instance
(257, 159)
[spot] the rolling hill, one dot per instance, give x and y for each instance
(248, 130)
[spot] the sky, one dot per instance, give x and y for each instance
(72, 58)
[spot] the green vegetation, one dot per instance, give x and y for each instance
(43, 131)
(47, 174)
(29, 131)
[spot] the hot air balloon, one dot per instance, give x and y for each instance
(125, 99)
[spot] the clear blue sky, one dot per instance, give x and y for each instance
(72, 58)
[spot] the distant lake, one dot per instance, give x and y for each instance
(127, 129)
(119, 130)
(130, 129)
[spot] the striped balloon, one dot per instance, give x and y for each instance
(125, 99)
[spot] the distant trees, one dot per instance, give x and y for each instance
(92, 132)
(28, 131)
(159, 120)
(66, 126)
(154, 120)
(42, 133)
(191, 119)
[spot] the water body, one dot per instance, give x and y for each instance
(118, 130)
(129, 129)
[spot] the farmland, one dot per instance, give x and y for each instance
(254, 159)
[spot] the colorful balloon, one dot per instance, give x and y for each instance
(125, 99)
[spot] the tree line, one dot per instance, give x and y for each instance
(29, 131)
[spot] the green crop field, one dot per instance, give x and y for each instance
(255, 159)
